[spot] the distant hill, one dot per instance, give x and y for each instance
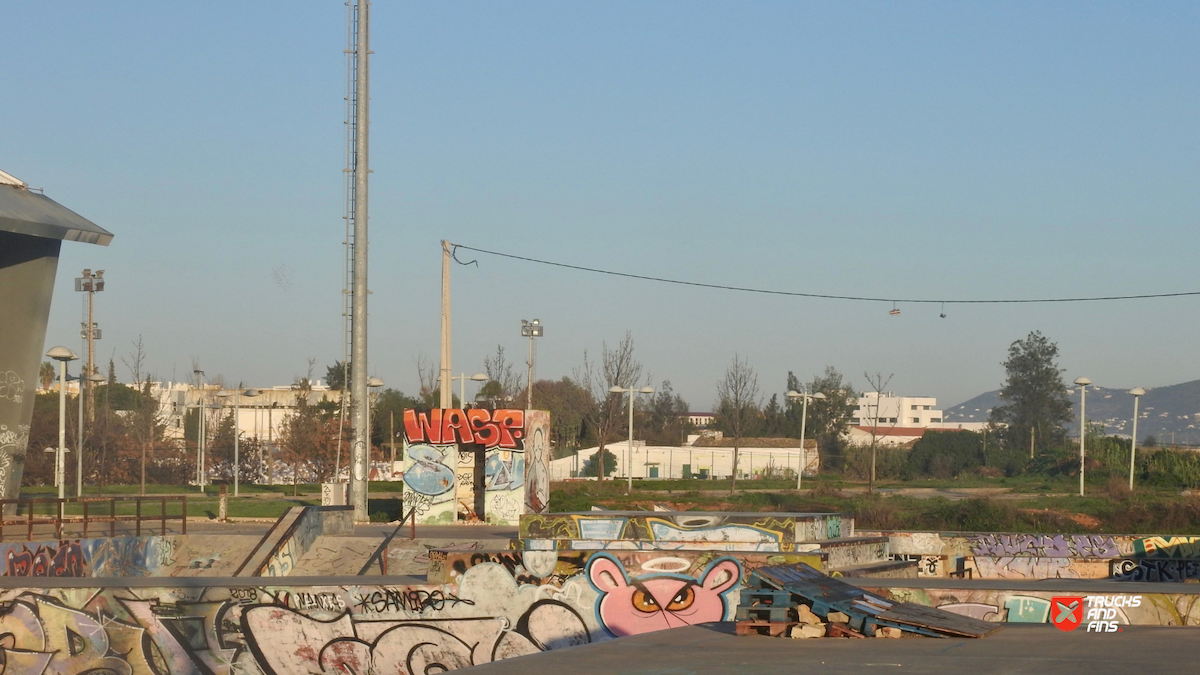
(1162, 411)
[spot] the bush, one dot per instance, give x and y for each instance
(944, 454)
(610, 464)
(889, 462)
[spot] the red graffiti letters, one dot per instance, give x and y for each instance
(445, 426)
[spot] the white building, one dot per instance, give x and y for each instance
(259, 417)
(889, 410)
(654, 462)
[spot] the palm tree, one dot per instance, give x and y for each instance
(46, 374)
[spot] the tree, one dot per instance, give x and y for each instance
(338, 375)
(507, 382)
(738, 403)
(1036, 403)
(387, 417)
(617, 368)
(590, 464)
(666, 420)
(46, 374)
(569, 405)
(878, 383)
(828, 418)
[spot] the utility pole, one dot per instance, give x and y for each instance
(444, 380)
(360, 18)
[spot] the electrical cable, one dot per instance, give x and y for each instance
(823, 296)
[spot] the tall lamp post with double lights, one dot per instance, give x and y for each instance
(803, 426)
(1083, 383)
(1136, 393)
(531, 330)
(62, 355)
(92, 381)
(200, 432)
(629, 448)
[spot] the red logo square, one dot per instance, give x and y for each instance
(1066, 612)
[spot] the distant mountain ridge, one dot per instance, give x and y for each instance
(1163, 411)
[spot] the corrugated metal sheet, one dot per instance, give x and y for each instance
(25, 212)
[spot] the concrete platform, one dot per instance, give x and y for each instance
(713, 649)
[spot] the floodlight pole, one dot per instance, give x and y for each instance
(360, 405)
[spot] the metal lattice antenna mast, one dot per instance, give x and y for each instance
(348, 243)
(360, 409)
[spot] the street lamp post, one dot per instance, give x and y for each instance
(62, 355)
(531, 330)
(462, 385)
(803, 427)
(1083, 383)
(1136, 393)
(629, 448)
(237, 433)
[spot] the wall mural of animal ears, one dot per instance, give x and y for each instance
(657, 601)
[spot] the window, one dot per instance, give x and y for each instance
(935, 419)
(916, 420)
(916, 407)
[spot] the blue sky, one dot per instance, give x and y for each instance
(958, 150)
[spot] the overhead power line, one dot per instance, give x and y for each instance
(798, 294)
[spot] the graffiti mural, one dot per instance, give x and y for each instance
(1167, 547)
(1156, 609)
(637, 530)
(554, 567)
(476, 465)
(661, 600)
(1044, 546)
(64, 560)
(1156, 569)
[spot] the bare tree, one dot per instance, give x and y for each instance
(500, 370)
(878, 384)
(146, 424)
(738, 402)
(427, 375)
(617, 368)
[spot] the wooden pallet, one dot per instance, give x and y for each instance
(771, 628)
(766, 613)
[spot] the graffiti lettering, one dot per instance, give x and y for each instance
(412, 600)
(1044, 546)
(46, 561)
(1156, 569)
(489, 428)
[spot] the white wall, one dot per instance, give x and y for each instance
(670, 461)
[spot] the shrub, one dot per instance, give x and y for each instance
(944, 454)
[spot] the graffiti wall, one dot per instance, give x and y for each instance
(476, 465)
(1013, 606)
(624, 530)
(146, 556)
(493, 609)
(556, 567)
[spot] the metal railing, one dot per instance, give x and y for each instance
(380, 553)
(25, 513)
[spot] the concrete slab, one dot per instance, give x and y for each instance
(713, 649)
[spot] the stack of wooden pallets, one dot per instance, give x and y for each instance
(765, 611)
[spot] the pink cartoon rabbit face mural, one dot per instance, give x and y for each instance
(660, 600)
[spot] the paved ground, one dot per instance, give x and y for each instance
(712, 649)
